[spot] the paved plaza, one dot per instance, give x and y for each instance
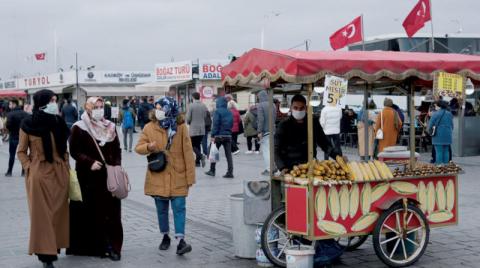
(209, 227)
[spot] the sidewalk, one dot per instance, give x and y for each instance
(208, 225)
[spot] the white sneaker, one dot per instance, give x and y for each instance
(249, 152)
(257, 152)
(236, 152)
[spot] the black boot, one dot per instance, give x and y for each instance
(48, 265)
(165, 243)
(229, 175)
(183, 247)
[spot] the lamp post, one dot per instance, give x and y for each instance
(77, 88)
(262, 35)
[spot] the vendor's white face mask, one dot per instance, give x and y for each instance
(97, 114)
(51, 108)
(159, 114)
(299, 115)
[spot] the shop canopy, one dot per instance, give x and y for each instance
(258, 67)
(13, 93)
(160, 88)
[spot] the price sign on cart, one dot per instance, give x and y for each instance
(448, 85)
(335, 93)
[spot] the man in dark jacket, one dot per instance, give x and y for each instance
(291, 145)
(14, 119)
(69, 113)
(143, 111)
(107, 110)
(222, 134)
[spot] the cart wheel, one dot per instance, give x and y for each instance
(275, 238)
(352, 243)
(394, 243)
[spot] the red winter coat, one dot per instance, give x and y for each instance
(236, 120)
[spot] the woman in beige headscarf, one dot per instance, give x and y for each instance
(95, 223)
(389, 121)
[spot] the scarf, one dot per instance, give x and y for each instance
(103, 130)
(41, 124)
(170, 107)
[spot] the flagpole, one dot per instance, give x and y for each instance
(431, 24)
(55, 50)
(363, 34)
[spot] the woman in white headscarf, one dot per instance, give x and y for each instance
(95, 223)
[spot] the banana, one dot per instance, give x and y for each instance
(374, 170)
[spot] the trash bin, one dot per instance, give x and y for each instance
(243, 234)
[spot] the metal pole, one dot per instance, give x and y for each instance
(310, 123)
(271, 130)
(363, 34)
(306, 45)
(461, 127)
(77, 88)
(431, 24)
(365, 121)
(412, 126)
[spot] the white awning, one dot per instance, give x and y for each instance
(160, 88)
(111, 91)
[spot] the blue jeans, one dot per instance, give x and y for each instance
(179, 214)
(442, 154)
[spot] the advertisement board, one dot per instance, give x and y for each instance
(173, 71)
(211, 69)
(335, 93)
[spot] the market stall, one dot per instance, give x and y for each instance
(334, 198)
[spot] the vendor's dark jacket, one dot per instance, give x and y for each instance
(14, 119)
(291, 147)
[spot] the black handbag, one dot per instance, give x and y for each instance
(157, 162)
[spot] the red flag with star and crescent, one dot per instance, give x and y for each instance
(417, 17)
(349, 34)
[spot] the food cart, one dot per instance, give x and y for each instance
(398, 208)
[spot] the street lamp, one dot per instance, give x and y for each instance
(265, 18)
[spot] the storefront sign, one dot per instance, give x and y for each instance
(207, 92)
(211, 70)
(173, 71)
(335, 93)
(448, 85)
(42, 81)
(115, 77)
(11, 84)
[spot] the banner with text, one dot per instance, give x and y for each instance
(335, 93)
(173, 71)
(448, 85)
(211, 69)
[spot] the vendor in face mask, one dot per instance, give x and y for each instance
(291, 145)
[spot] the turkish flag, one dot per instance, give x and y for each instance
(349, 34)
(417, 17)
(40, 56)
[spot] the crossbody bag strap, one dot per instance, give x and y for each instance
(98, 148)
(439, 120)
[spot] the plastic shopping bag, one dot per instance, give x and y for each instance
(214, 155)
(75, 193)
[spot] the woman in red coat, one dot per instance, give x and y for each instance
(232, 106)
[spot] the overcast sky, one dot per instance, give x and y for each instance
(136, 34)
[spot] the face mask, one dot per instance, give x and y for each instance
(159, 114)
(51, 108)
(299, 115)
(97, 114)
